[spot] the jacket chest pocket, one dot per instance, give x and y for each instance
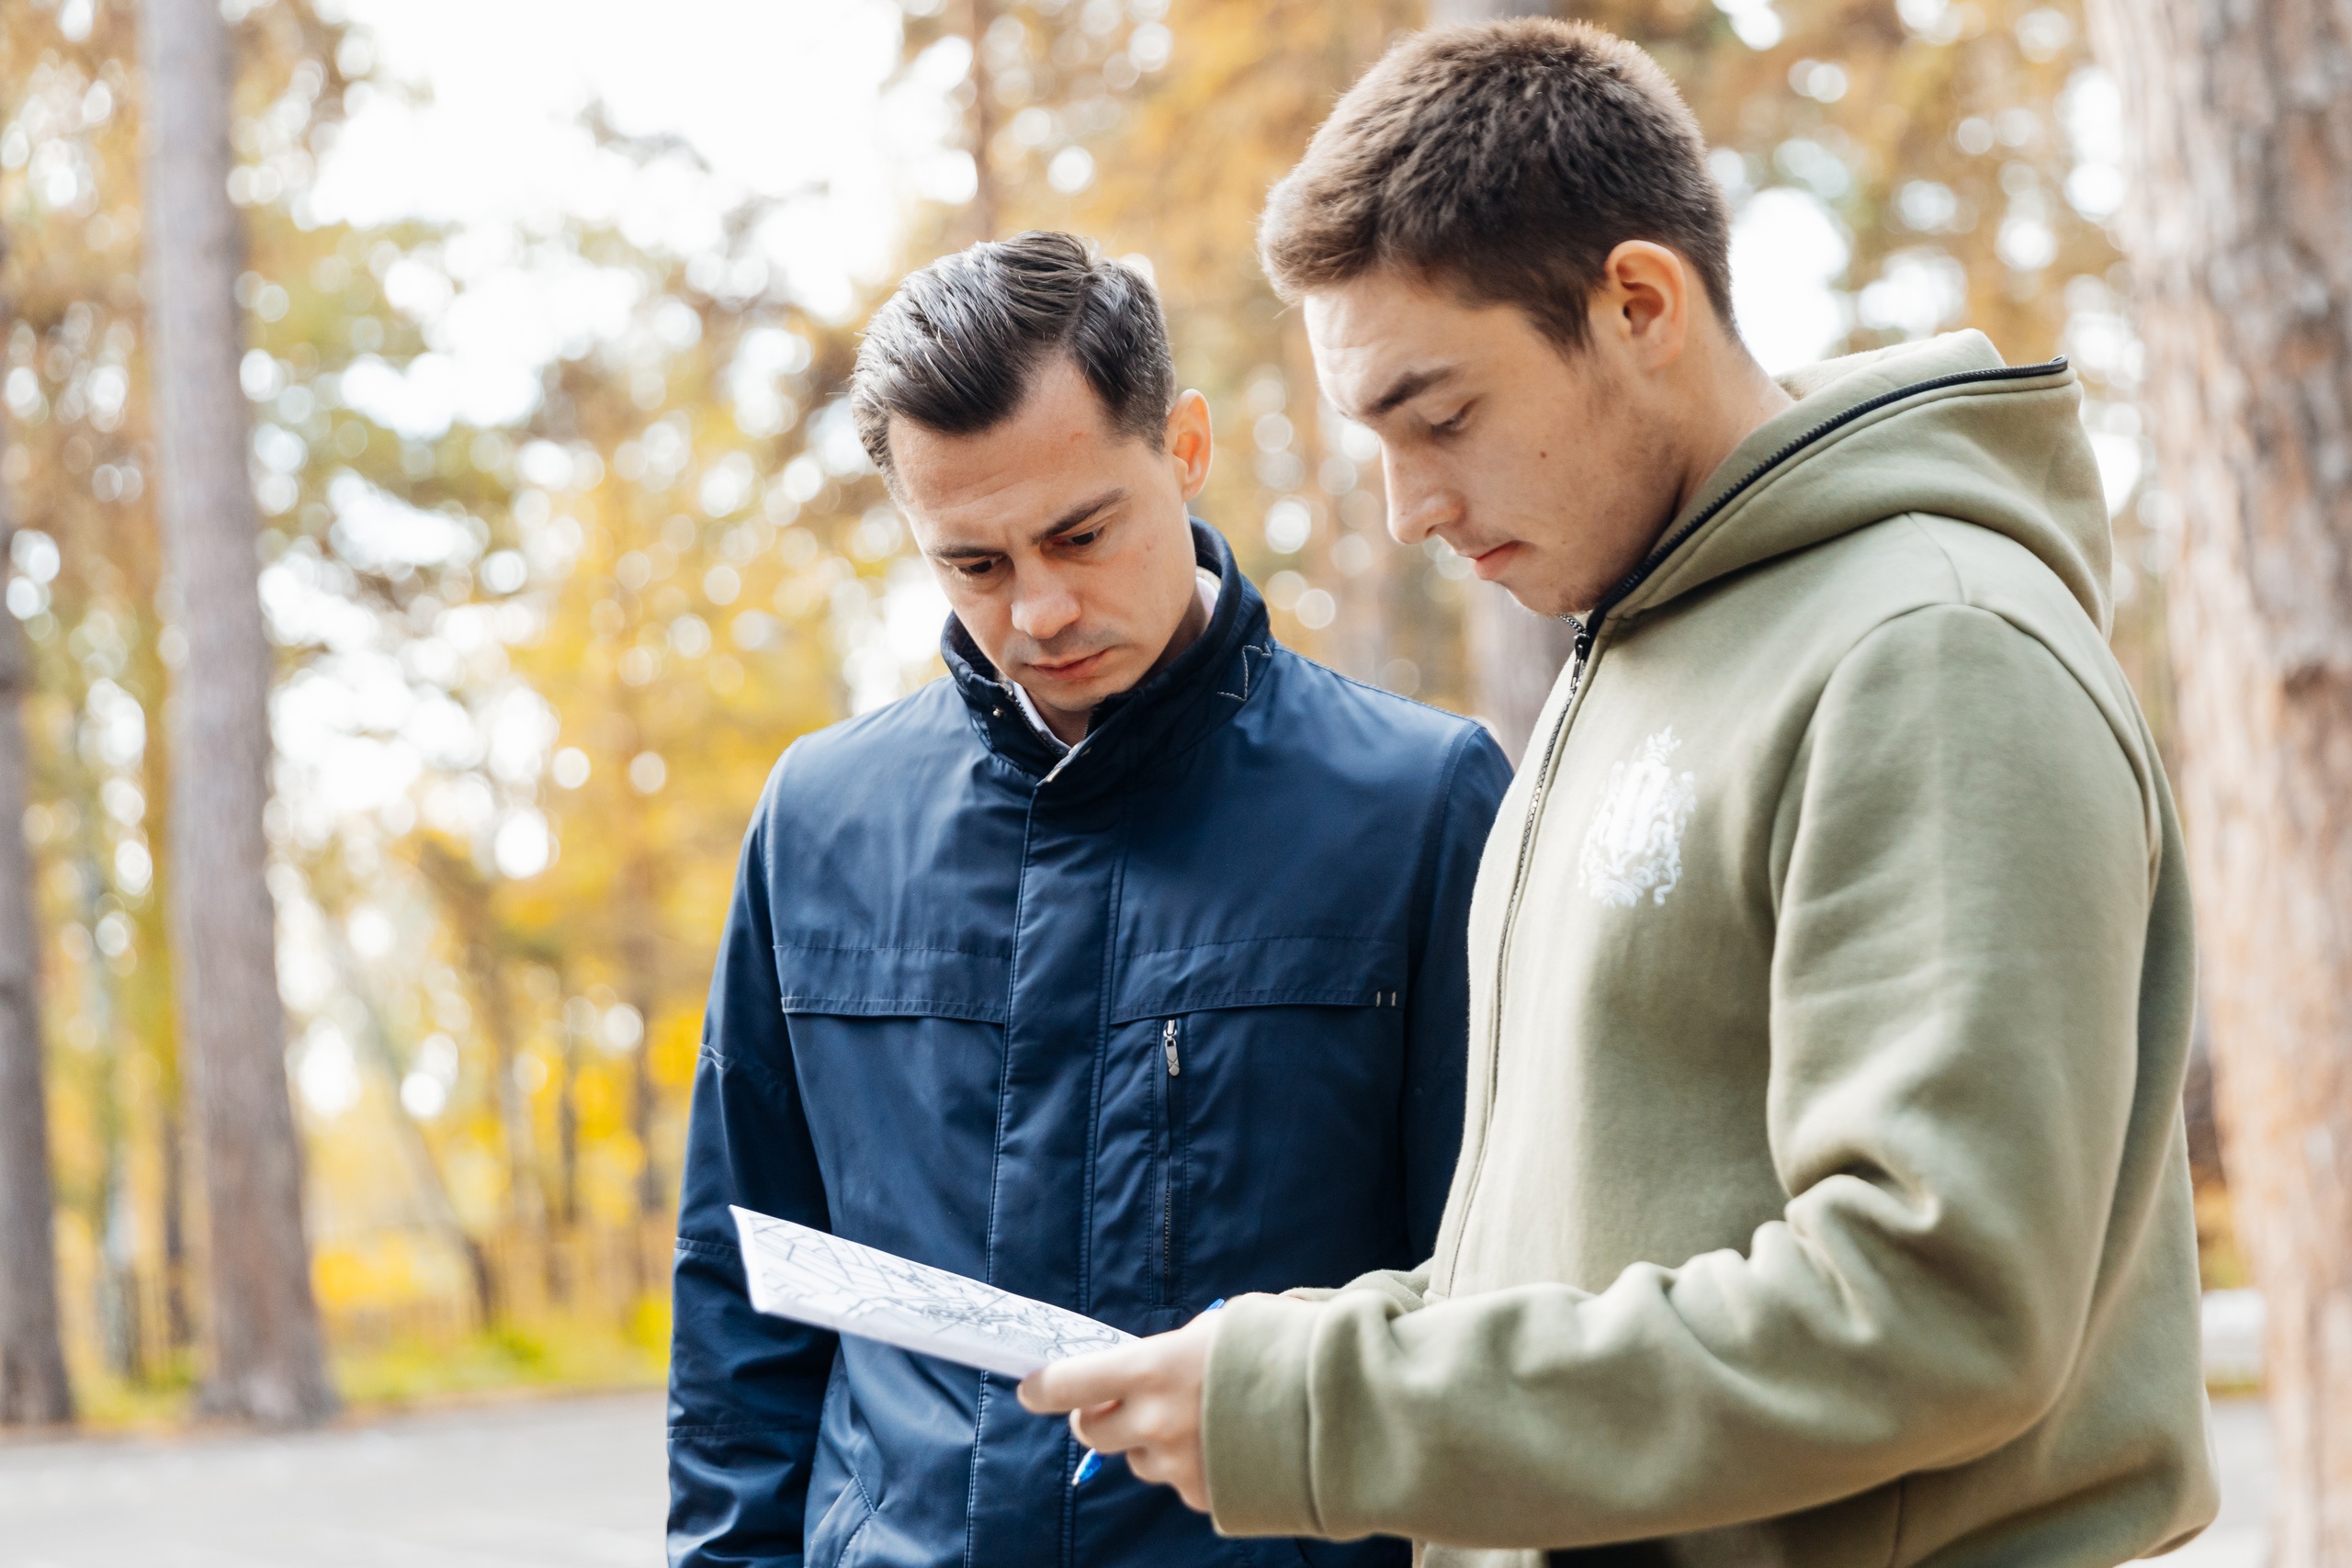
(1255, 1086)
(846, 979)
(897, 1052)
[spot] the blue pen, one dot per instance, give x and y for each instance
(1090, 1461)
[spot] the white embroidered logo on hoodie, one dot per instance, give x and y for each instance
(1635, 845)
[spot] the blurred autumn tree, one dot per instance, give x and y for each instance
(537, 653)
(34, 1387)
(1937, 162)
(2239, 196)
(265, 1358)
(530, 679)
(85, 588)
(576, 645)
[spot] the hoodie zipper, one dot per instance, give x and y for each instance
(1175, 1065)
(1588, 633)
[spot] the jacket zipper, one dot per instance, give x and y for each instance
(1175, 1065)
(1067, 758)
(1588, 634)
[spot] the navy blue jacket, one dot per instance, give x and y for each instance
(1181, 1018)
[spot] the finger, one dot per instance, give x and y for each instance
(1149, 1464)
(1110, 1428)
(1171, 1467)
(1077, 1419)
(1102, 1378)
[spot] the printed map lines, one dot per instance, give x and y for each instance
(814, 1277)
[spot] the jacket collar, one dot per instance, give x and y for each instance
(1169, 712)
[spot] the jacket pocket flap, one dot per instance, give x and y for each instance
(894, 982)
(1267, 971)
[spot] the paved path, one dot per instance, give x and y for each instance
(552, 1484)
(558, 1484)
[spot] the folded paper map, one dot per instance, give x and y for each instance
(812, 1276)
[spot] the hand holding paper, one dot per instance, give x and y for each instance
(1141, 1399)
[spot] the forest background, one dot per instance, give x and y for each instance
(566, 533)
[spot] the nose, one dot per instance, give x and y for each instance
(1043, 606)
(1420, 501)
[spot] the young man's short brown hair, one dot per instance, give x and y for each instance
(1504, 160)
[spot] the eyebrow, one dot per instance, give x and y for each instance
(1061, 524)
(1412, 384)
(1080, 514)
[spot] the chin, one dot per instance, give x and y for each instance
(1077, 697)
(1536, 592)
(1105, 687)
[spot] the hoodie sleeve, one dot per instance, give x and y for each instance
(1963, 872)
(745, 1390)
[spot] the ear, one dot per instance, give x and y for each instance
(1189, 444)
(1645, 301)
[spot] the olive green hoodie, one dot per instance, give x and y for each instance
(1824, 1199)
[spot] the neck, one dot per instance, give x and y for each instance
(1744, 397)
(1726, 396)
(1069, 725)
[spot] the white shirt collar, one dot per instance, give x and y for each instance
(1036, 721)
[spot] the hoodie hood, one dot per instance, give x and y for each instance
(1941, 427)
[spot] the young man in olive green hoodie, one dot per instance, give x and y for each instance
(1824, 1199)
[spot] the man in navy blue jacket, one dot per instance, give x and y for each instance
(1123, 969)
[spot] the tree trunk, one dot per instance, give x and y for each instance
(642, 968)
(179, 1328)
(32, 1368)
(465, 899)
(2240, 129)
(527, 1205)
(424, 1168)
(266, 1362)
(531, 1240)
(1515, 654)
(981, 117)
(564, 1271)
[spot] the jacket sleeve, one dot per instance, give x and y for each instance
(1438, 1023)
(1964, 867)
(745, 1390)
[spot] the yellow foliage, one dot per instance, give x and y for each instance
(678, 586)
(675, 1045)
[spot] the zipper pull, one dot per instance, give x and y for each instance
(1584, 630)
(1168, 1049)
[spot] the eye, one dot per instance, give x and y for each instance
(1079, 541)
(1451, 426)
(974, 569)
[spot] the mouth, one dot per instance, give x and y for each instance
(1491, 563)
(1077, 668)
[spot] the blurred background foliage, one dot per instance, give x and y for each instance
(539, 644)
